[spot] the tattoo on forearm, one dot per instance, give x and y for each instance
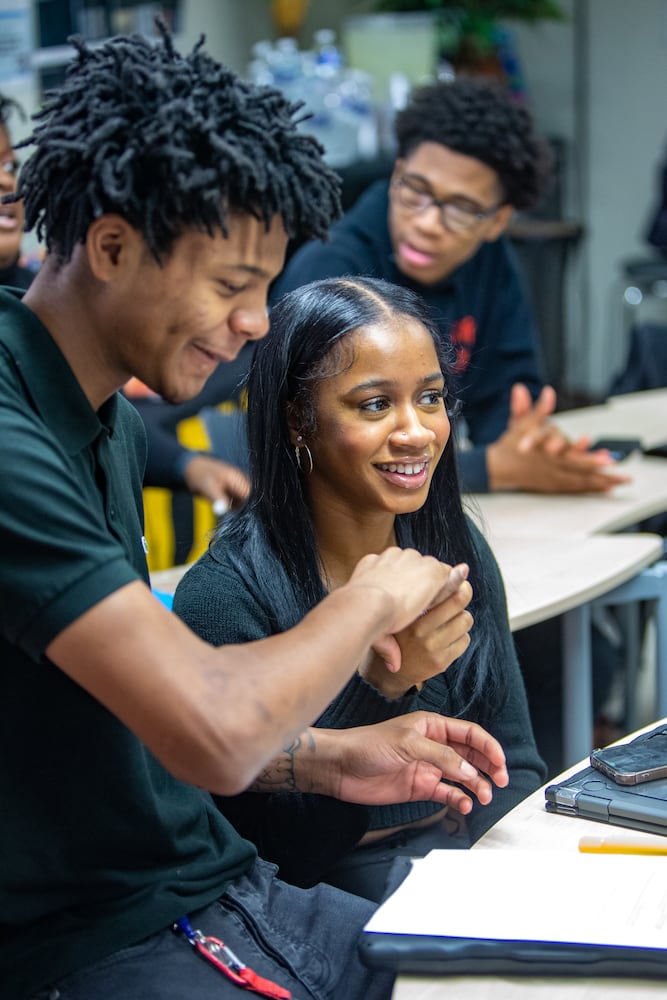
(280, 774)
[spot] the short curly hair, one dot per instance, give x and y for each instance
(478, 119)
(169, 142)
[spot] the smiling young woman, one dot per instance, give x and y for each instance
(381, 430)
(350, 433)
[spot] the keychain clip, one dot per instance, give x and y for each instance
(223, 958)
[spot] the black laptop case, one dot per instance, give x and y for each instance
(592, 795)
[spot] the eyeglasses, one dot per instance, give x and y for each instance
(455, 217)
(10, 166)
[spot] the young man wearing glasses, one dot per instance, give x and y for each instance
(467, 159)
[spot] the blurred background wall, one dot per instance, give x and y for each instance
(596, 81)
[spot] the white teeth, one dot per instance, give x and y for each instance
(407, 469)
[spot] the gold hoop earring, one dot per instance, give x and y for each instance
(297, 451)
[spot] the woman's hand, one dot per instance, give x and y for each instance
(429, 645)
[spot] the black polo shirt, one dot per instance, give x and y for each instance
(99, 845)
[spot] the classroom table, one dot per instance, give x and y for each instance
(624, 507)
(530, 825)
(568, 575)
(641, 415)
(525, 988)
(508, 517)
(545, 577)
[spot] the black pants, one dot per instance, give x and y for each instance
(303, 939)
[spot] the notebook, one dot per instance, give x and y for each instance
(592, 795)
(490, 912)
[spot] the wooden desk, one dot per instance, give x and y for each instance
(530, 825)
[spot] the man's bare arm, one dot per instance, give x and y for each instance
(421, 756)
(215, 717)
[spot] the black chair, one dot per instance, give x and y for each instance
(646, 364)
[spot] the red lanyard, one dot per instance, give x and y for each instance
(225, 961)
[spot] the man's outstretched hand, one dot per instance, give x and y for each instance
(417, 757)
(533, 454)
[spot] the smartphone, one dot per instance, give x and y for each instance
(619, 448)
(636, 762)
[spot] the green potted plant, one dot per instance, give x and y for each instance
(468, 29)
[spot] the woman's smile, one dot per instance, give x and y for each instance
(406, 475)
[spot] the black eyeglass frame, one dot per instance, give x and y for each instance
(466, 219)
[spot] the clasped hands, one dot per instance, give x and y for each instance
(420, 756)
(428, 645)
(532, 454)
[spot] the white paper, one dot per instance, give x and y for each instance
(529, 895)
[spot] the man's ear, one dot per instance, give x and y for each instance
(112, 245)
(499, 223)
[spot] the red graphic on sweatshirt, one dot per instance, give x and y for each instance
(463, 336)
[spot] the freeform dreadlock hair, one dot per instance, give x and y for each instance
(169, 142)
(478, 119)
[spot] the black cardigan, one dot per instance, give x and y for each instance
(225, 604)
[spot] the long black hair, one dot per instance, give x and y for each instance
(272, 541)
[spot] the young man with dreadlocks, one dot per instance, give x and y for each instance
(166, 190)
(467, 158)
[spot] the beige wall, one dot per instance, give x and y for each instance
(232, 26)
(599, 80)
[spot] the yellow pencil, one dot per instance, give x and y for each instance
(617, 845)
